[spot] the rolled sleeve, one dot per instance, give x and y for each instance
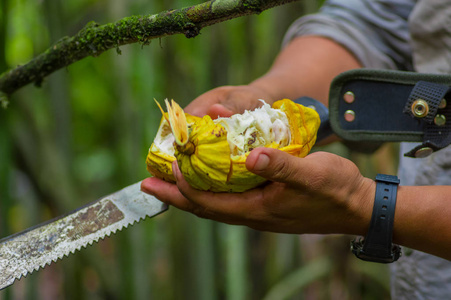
(376, 32)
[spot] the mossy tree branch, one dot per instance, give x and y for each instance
(95, 39)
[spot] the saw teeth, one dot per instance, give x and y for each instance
(54, 260)
(37, 235)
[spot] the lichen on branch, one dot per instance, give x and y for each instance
(94, 39)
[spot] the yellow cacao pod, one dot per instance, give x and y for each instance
(211, 154)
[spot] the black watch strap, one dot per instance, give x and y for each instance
(377, 245)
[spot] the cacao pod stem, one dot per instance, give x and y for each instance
(186, 149)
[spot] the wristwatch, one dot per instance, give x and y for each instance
(377, 245)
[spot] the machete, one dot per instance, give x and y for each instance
(32, 249)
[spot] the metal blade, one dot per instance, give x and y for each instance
(34, 248)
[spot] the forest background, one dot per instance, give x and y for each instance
(86, 131)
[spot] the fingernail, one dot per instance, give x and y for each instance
(262, 162)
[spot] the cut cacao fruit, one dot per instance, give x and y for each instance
(211, 154)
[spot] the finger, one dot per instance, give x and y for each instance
(276, 165)
(225, 207)
(166, 192)
(200, 106)
(219, 110)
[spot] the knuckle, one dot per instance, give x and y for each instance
(280, 168)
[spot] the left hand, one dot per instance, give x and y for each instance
(321, 193)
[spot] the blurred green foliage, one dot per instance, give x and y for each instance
(86, 131)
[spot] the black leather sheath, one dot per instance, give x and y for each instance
(377, 106)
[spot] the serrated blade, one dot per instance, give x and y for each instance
(36, 247)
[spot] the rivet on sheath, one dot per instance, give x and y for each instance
(442, 104)
(349, 97)
(349, 115)
(423, 152)
(420, 108)
(439, 120)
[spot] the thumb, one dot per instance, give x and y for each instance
(276, 165)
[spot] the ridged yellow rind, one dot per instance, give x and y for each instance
(207, 168)
(304, 123)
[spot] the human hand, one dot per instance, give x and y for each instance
(225, 101)
(321, 193)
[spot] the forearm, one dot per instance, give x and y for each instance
(423, 219)
(306, 67)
